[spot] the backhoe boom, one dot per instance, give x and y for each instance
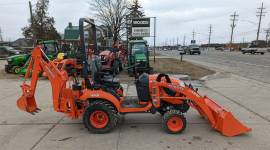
(39, 63)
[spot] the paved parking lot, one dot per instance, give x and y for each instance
(51, 130)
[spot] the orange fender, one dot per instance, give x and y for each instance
(99, 94)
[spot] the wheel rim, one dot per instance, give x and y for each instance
(99, 119)
(17, 70)
(175, 124)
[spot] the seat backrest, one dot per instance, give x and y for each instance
(142, 86)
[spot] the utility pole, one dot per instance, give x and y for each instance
(267, 36)
(210, 34)
(155, 36)
(184, 41)
(193, 35)
(32, 22)
(233, 25)
(1, 37)
(261, 14)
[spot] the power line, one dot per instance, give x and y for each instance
(261, 14)
(233, 25)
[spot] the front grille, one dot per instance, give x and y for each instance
(141, 64)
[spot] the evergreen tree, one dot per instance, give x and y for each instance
(135, 10)
(43, 25)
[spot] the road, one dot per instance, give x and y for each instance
(256, 67)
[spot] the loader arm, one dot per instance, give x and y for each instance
(38, 63)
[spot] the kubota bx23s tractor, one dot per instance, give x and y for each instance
(100, 105)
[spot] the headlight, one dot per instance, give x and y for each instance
(17, 53)
(9, 59)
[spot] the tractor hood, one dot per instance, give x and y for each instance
(18, 57)
(140, 56)
(105, 53)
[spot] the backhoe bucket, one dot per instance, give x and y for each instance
(220, 119)
(27, 101)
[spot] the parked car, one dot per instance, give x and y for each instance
(193, 49)
(253, 49)
(181, 51)
(220, 48)
(6, 51)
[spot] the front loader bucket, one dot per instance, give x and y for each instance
(27, 101)
(224, 121)
(219, 118)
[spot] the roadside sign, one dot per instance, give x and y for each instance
(141, 27)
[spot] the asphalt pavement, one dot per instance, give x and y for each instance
(255, 67)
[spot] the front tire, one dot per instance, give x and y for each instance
(16, 69)
(100, 117)
(174, 122)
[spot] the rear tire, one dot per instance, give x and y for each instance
(174, 122)
(100, 117)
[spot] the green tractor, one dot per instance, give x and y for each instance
(138, 59)
(18, 63)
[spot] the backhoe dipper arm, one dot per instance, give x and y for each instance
(38, 63)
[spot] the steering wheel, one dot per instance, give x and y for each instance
(160, 76)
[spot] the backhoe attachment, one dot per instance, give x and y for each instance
(219, 118)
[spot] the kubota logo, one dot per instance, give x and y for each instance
(95, 95)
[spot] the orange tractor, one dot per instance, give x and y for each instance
(100, 104)
(113, 59)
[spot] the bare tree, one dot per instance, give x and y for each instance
(111, 13)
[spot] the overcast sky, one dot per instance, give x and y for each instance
(175, 18)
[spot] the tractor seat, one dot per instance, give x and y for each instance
(110, 79)
(107, 80)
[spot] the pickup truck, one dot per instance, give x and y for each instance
(253, 49)
(193, 49)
